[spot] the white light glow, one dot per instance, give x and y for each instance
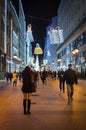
(37, 68)
(29, 33)
(56, 36)
(48, 53)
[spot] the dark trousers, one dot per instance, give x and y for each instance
(61, 83)
(70, 91)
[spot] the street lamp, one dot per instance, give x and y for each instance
(15, 57)
(59, 59)
(75, 53)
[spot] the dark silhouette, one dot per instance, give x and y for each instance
(43, 76)
(61, 80)
(71, 78)
(7, 76)
(27, 78)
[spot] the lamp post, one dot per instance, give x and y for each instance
(75, 53)
(15, 58)
(37, 51)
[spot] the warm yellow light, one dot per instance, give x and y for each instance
(59, 59)
(38, 50)
(15, 56)
(75, 51)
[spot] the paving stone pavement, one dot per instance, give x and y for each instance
(49, 108)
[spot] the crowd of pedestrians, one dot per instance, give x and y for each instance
(28, 75)
(66, 79)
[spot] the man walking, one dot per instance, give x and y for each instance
(70, 78)
(61, 80)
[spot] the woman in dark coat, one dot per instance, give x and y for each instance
(26, 88)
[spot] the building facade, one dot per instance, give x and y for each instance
(72, 19)
(12, 36)
(2, 53)
(22, 37)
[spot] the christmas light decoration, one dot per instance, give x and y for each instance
(56, 35)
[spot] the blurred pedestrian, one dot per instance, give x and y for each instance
(43, 76)
(7, 76)
(15, 76)
(71, 79)
(61, 80)
(10, 76)
(26, 88)
(20, 75)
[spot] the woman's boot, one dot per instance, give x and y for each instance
(29, 104)
(24, 106)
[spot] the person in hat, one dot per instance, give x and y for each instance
(71, 78)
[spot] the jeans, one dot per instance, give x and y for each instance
(70, 91)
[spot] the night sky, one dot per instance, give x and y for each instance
(39, 13)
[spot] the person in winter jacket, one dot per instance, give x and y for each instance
(71, 78)
(26, 88)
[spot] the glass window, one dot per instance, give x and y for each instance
(68, 49)
(71, 46)
(80, 40)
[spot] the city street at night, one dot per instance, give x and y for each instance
(49, 108)
(43, 45)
